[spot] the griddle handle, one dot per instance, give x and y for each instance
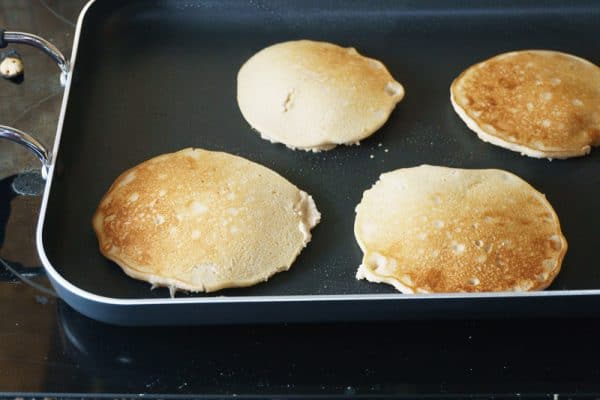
(31, 143)
(9, 37)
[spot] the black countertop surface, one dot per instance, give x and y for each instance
(46, 348)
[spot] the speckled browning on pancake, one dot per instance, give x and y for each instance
(315, 95)
(437, 229)
(203, 221)
(540, 103)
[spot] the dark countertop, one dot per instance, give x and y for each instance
(47, 348)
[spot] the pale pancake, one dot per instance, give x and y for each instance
(436, 229)
(202, 221)
(543, 104)
(315, 95)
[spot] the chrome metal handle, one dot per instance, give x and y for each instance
(24, 139)
(7, 37)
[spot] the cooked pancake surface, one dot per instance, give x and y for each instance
(315, 95)
(436, 229)
(202, 221)
(543, 104)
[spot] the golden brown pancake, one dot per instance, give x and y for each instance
(315, 95)
(435, 229)
(543, 104)
(202, 221)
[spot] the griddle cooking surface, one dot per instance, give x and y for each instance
(157, 76)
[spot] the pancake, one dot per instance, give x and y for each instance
(315, 95)
(543, 104)
(202, 221)
(435, 229)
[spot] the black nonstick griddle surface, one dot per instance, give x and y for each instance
(154, 77)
